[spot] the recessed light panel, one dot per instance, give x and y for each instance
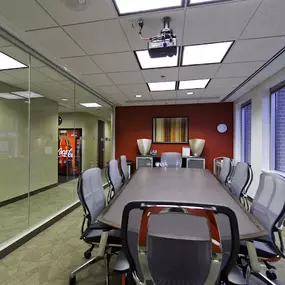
(146, 61)
(90, 105)
(136, 6)
(9, 96)
(203, 1)
(28, 94)
(193, 84)
(7, 62)
(205, 54)
(162, 86)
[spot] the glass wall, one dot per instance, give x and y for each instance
(47, 138)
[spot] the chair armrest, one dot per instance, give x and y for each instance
(100, 226)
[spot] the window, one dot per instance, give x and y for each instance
(246, 132)
(278, 130)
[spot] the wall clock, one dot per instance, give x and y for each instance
(222, 128)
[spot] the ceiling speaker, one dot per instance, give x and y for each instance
(76, 5)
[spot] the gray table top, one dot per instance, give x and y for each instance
(179, 185)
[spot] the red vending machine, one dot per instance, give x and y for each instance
(69, 153)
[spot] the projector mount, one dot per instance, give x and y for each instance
(166, 34)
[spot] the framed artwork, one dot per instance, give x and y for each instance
(170, 130)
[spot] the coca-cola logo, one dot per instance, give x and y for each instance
(65, 153)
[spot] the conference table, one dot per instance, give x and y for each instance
(179, 185)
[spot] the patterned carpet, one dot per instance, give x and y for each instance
(19, 216)
(49, 258)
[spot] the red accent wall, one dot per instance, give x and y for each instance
(134, 123)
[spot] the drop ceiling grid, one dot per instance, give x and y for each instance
(237, 21)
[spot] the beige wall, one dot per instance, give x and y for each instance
(14, 146)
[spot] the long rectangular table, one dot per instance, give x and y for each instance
(179, 185)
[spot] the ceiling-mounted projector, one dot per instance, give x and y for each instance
(162, 45)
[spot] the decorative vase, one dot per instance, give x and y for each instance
(196, 146)
(144, 146)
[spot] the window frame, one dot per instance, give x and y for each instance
(243, 130)
(273, 92)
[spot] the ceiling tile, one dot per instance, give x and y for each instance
(4, 43)
(110, 89)
(215, 94)
(23, 75)
(8, 79)
(99, 37)
(224, 85)
(183, 94)
(154, 75)
(152, 26)
(268, 21)
(127, 77)
(238, 69)
(220, 22)
(134, 89)
(56, 41)
(163, 95)
(97, 80)
(51, 73)
(209, 100)
(255, 49)
(116, 62)
(82, 65)
(164, 102)
(198, 72)
(71, 12)
(19, 13)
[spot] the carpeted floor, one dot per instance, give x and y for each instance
(49, 258)
(19, 216)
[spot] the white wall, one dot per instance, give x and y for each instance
(260, 134)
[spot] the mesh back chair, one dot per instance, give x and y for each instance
(268, 207)
(167, 243)
(124, 168)
(171, 160)
(241, 181)
(91, 195)
(116, 180)
(225, 170)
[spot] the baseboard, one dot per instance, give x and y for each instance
(24, 196)
(14, 243)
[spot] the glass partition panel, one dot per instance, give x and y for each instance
(51, 150)
(14, 140)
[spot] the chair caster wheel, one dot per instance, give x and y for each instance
(271, 275)
(87, 254)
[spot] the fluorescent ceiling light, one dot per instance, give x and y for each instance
(7, 62)
(28, 94)
(202, 1)
(138, 96)
(193, 84)
(205, 54)
(162, 86)
(147, 62)
(135, 6)
(90, 105)
(190, 93)
(9, 96)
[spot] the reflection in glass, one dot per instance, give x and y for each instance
(14, 146)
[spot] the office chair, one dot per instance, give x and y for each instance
(268, 207)
(116, 180)
(91, 195)
(240, 182)
(170, 243)
(225, 170)
(171, 160)
(124, 168)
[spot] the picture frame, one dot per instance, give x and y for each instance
(170, 130)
